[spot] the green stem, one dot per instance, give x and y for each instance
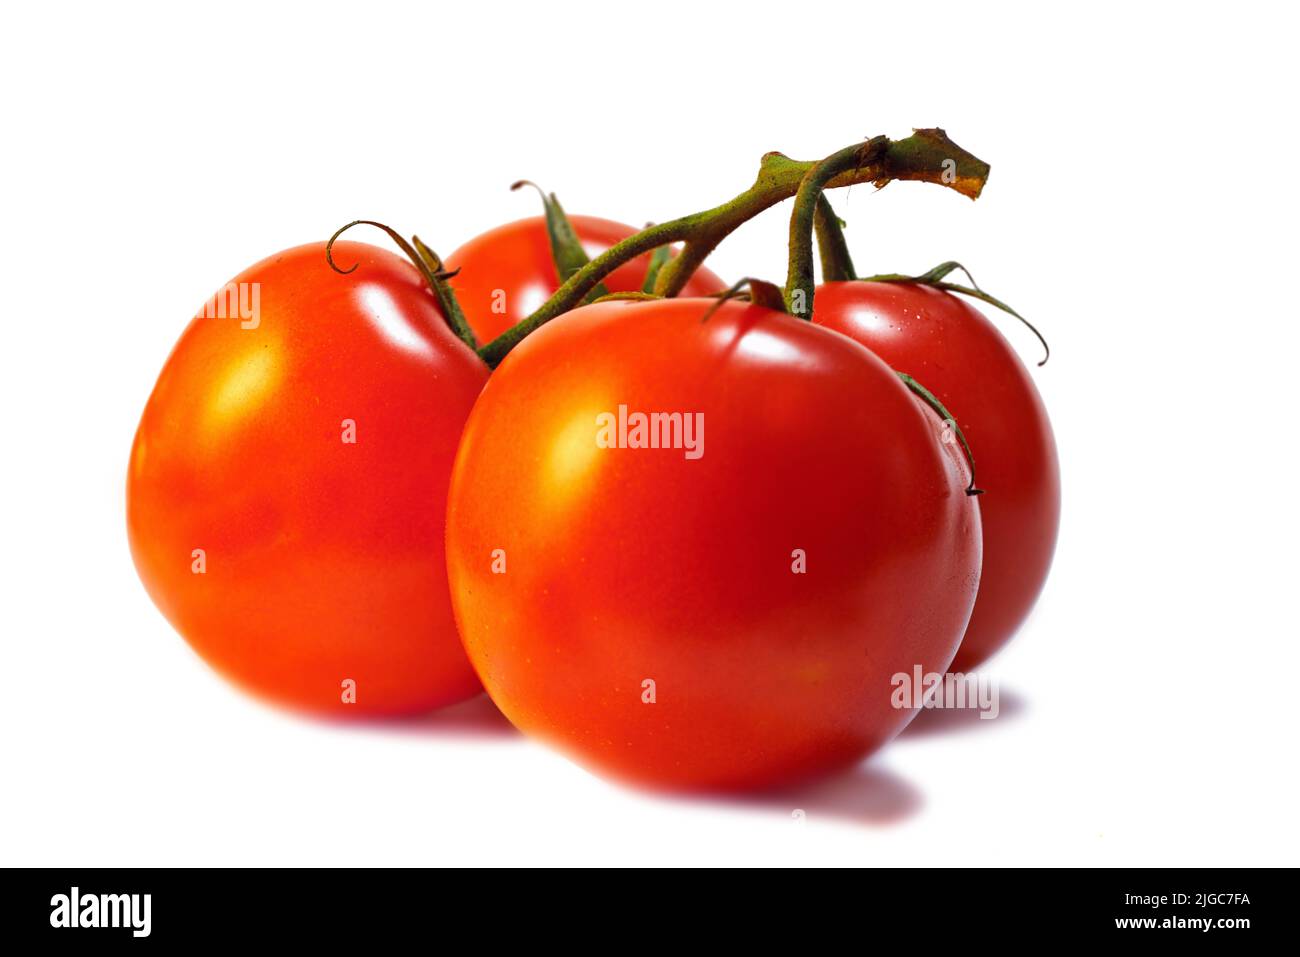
(837, 264)
(799, 282)
(926, 155)
(445, 296)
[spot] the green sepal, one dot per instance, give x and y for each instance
(761, 293)
(566, 248)
(658, 258)
(930, 399)
(935, 278)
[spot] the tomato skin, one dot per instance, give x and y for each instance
(324, 559)
(960, 356)
(625, 564)
(507, 272)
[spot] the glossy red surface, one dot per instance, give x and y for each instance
(323, 558)
(960, 356)
(631, 564)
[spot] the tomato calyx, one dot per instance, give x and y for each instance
(758, 291)
(928, 155)
(930, 399)
(566, 248)
(430, 267)
(629, 296)
(935, 280)
(658, 259)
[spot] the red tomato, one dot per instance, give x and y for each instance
(507, 272)
(962, 358)
(286, 490)
(763, 593)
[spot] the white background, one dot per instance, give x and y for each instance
(1141, 210)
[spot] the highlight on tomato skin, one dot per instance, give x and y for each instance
(286, 487)
(504, 274)
(967, 363)
(726, 613)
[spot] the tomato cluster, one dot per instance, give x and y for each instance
(689, 540)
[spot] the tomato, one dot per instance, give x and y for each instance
(962, 358)
(724, 614)
(507, 272)
(286, 489)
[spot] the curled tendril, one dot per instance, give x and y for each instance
(393, 234)
(429, 265)
(521, 183)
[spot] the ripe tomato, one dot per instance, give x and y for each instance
(761, 594)
(507, 272)
(962, 358)
(285, 496)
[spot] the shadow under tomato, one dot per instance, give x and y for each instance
(476, 718)
(866, 795)
(933, 722)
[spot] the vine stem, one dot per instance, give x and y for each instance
(799, 279)
(926, 156)
(837, 264)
